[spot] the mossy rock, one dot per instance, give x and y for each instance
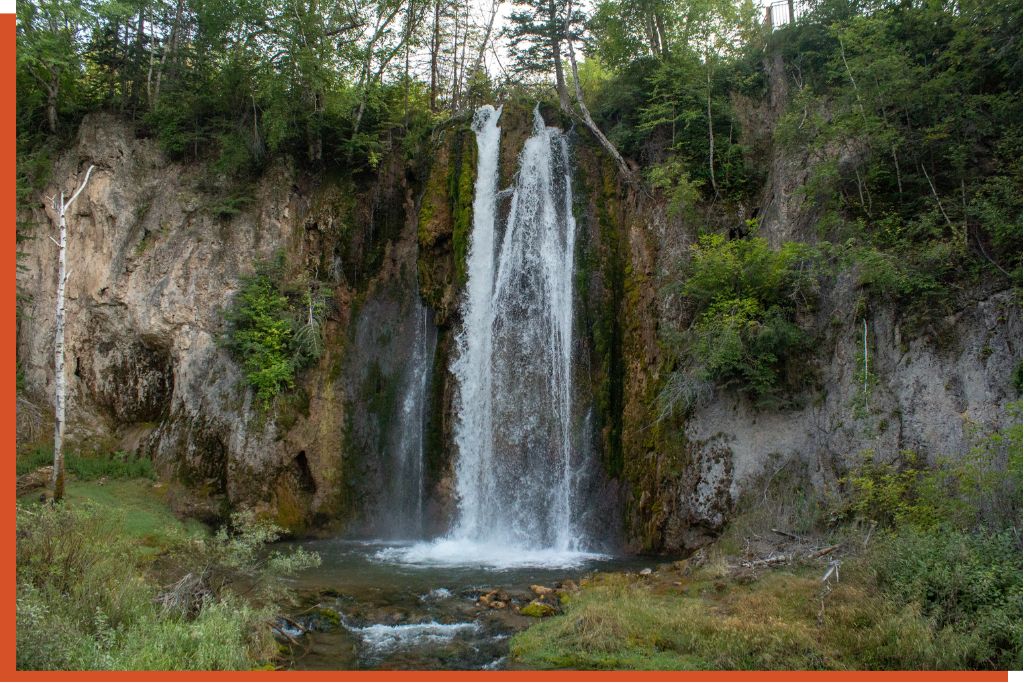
(324, 619)
(537, 609)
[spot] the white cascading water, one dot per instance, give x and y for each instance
(514, 431)
(401, 515)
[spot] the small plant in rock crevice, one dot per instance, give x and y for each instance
(275, 331)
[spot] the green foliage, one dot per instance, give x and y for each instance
(273, 335)
(86, 602)
(746, 298)
(899, 493)
(966, 583)
(118, 465)
(262, 337)
(908, 111)
(237, 555)
(980, 489)
(672, 178)
(533, 26)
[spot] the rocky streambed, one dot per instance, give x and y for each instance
(360, 610)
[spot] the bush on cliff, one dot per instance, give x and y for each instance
(747, 297)
(274, 332)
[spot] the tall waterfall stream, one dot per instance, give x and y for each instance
(519, 464)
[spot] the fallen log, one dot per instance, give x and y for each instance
(823, 551)
(787, 534)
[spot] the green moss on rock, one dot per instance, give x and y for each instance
(537, 609)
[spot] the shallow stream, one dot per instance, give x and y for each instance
(388, 605)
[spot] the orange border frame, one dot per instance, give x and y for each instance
(8, 194)
(7, 416)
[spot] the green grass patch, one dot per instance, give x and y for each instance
(143, 510)
(118, 465)
(710, 622)
(138, 510)
(33, 460)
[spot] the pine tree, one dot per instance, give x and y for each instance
(537, 32)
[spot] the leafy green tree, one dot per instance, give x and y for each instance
(49, 53)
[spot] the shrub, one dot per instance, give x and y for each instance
(274, 336)
(238, 553)
(967, 583)
(980, 489)
(901, 492)
(950, 544)
(263, 337)
(84, 600)
(747, 297)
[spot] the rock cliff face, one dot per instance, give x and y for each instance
(928, 388)
(153, 268)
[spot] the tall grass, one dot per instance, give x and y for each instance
(86, 601)
(774, 623)
(117, 465)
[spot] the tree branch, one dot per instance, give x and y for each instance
(81, 187)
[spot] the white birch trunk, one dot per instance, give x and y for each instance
(60, 382)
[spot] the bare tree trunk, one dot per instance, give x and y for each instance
(563, 92)
(556, 56)
(169, 49)
(659, 23)
(589, 121)
(368, 76)
(711, 134)
(435, 49)
(140, 38)
(463, 80)
(487, 36)
(52, 87)
(51, 109)
(60, 396)
(652, 36)
(152, 62)
(455, 63)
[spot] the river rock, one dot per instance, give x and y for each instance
(494, 599)
(537, 609)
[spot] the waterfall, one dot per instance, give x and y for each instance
(514, 431)
(401, 515)
(514, 363)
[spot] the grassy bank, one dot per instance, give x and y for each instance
(111, 579)
(927, 575)
(953, 603)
